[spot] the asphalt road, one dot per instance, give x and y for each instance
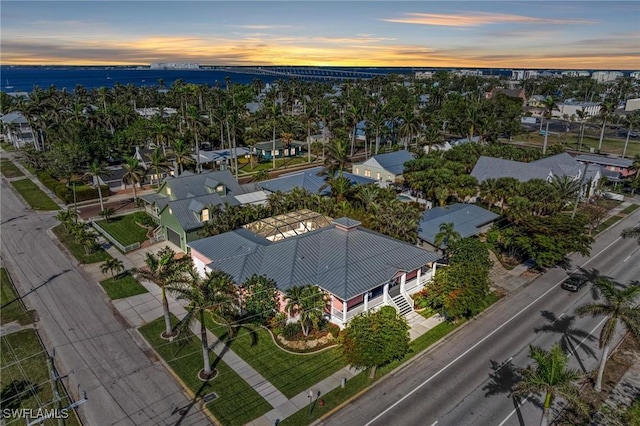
(466, 379)
(95, 347)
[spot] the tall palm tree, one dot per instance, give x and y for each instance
(133, 173)
(582, 115)
(194, 118)
(165, 270)
(549, 106)
(633, 123)
(159, 162)
(275, 113)
(550, 377)
(181, 155)
(309, 302)
(213, 293)
(96, 171)
(566, 187)
(337, 157)
(619, 306)
(607, 108)
(446, 236)
(489, 191)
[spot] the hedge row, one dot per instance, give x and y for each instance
(65, 193)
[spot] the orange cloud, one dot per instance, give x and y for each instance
(476, 19)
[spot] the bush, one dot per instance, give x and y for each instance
(333, 329)
(144, 219)
(291, 330)
(65, 193)
(277, 323)
(49, 181)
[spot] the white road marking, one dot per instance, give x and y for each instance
(434, 423)
(504, 324)
(582, 341)
(627, 258)
(513, 412)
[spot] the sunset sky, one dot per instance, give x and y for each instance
(495, 34)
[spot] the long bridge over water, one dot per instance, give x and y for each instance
(307, 73)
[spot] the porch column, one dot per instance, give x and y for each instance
(403, 281)
(385, 293)
(366, 301)
(433, 272)
(344, 311)
(418, 276)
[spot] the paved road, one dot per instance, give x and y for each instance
(466, 379)
(91, 343)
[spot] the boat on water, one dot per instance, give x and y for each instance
(8, 86)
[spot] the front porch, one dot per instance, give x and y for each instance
(396, 293)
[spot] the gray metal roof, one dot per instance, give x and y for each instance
(311, 180)
(343, 262)
(606, 161)
(193, 185)
(13, 117)
(466, 219)
(392, 161)
(184, 212)
(493, 168)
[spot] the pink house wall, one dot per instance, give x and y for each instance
(355, 301)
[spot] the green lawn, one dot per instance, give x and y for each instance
(33, 195)
(290, 373)
(25, 376)
(237, 402)
(121, 286)
(14, 311)
(7, 146)
(607, 223)
(361, 381)
(9, 170)
(78, 250)
(124, 229)
(630, 209)
(609, 145)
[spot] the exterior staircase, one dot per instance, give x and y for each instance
(158, 235)
(402, 305)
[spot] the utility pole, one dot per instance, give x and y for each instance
(575, 206)
(75, 204)
(54, 386)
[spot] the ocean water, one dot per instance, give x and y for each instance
(24, 79)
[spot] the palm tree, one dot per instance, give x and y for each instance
(67, 217)
(633, 232)
(582, 116)
(551, 377)
(618, 307)
(309, 302)
(606, 110)
(133, 173)
(111, 265)
(96, 170)
(337, 157)
(566, 187)
(489, 192)
(447, 236)
(181, 155)
(549, 106)
(215, 292)
(274, 116)
(633, 122)
(159, 162)
(194, 118)
(164, 270)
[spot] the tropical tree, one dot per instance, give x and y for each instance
(260, 298)
(112, 265)
(96, 171)
(337, 156)
(549, 105)
(133, 173)
(446, 236)
(633, 123)
(618, 307)
(159, 162)
(582, 115)
(165, 270)
(633, 232)
(308, 303)
(215, 293)
(607, 108)
(68, 218)
(375, 338)
(549, 376)
(181, 155)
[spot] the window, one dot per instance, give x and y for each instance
(219, 188)
(286, 151)
(277, 152)
(389, 178)
(357, 170)
(205, 215)
(168, 191)
(378, 176)
(367, 173)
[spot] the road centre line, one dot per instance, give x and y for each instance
(504, 324)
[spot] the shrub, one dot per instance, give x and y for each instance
(291, 330)
(333, 329)
(49, 181)
(277, 323)
(144, 219)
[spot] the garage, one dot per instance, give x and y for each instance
(174, 237)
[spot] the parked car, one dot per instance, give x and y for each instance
(574, 282)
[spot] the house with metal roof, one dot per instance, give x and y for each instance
(182, 204)
(266, 151)
(614, 168)
(383, 167)
(545, 169)
(468, 220)
(311, 180)
(17, 130)
(358, 268)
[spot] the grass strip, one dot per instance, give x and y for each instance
(124, 229)
(7, 147)
(289, 372)
(122, 285)
(25, 377)
(10, 170)
(33, 195)
(237, 402)
(607, 223)
(630, 209)
(15, 310)
(76, 249)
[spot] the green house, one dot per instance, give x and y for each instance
(182, 204)
(265, 150)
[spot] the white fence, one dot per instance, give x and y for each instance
(124, 249)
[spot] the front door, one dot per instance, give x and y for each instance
(394, 288)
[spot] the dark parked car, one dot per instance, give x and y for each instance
(574, 282)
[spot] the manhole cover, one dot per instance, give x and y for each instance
(210, 397)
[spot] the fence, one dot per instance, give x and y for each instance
(123, 249)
